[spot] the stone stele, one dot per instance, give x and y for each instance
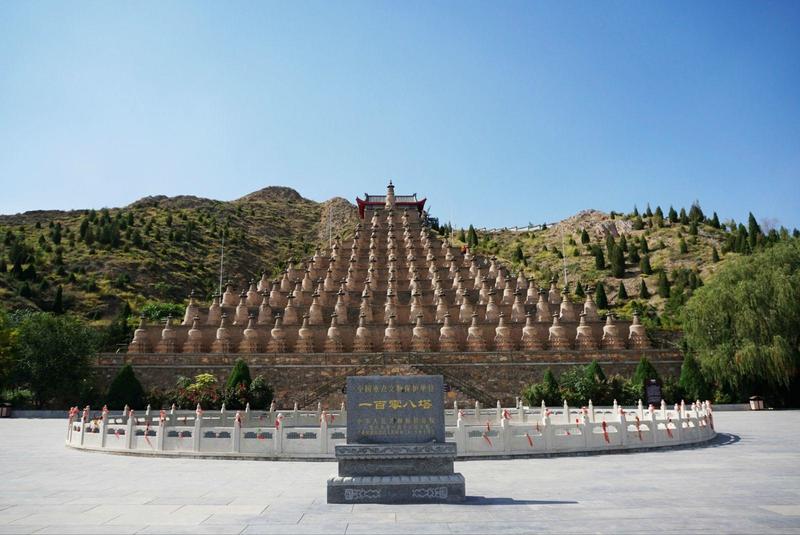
(395, 451)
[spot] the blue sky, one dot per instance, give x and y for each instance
(500, 113)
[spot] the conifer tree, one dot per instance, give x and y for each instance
(584, 236)
(644, 265)
(617, 262)
(462, 236)
(645, 248)
(125, 389)
(579, 291)
(472, 237)
(714, 255)
(3, 267)
(644, 372)
(643, 292)
(635, 211)
(599, 259)
(753, 230)
(622, 295)
(663, 285)
(58, 302)
(633, 256)
(682, 248)
(672, 215)
(683, 217)
(695, 212)
(693, 228)
(600, 297)
(25, 290)
(648, 212)
(715, 221)
(240, 374)
(517, 255)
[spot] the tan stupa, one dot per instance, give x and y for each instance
(194, 338)
(557, 335)
(168, 336)
(475, 341)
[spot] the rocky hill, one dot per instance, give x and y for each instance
(157, 248)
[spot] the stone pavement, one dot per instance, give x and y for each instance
(748, 481)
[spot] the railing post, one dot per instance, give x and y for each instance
(236, 436)
(623, 426)
(654, 423)
(461, 434)
(508, 434)
(678, 424)
(549, 433)
(323, 432)
(130, 430)
(278, 434)
(198, 428)
(104, 427)
(162, 430)
(84, 419)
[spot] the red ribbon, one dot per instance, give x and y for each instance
(488, 427)
(605, 432)
(487, 439)
(577, 423)
(537, 427)
(116, 433)
(506, 414)
(530, 440)
(637, 428)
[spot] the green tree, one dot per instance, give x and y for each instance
(546, 390)
(643, 292)
(742, 325)
(472, 237)
(599, 259)
(682, 248)
(617, 262)
(600, 295)
(692, 382)
(663, 284)
(240, 374)
(579, 291)
(753, 230)
(644, 265)
(672, 215)
(6, 351)
(584, 236)
(714, 255)
(52, 354)
(644, 372)
(622, 295)
(125, 389)
(58, 302)
(715, 221)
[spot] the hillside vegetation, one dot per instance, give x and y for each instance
(92, 262)
(648, 261)
(100, 264)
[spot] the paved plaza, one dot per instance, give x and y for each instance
(747, 481)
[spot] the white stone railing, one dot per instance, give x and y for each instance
(314, 434)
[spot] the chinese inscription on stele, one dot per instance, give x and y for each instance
(398, 410)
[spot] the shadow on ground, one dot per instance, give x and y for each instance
(723, 439)
(483, 500)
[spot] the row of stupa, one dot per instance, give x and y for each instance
(395, 286)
